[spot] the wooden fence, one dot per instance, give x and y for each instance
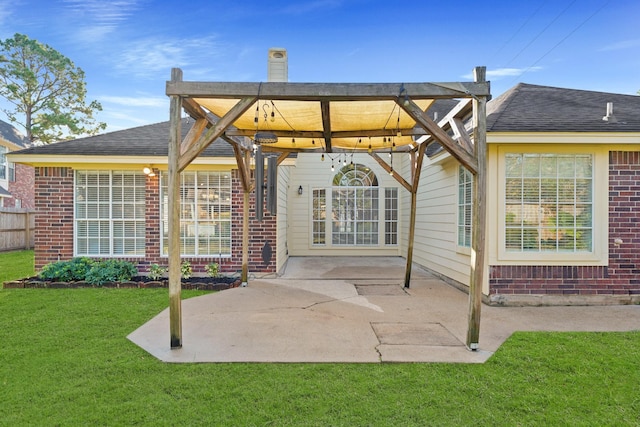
(16, 229)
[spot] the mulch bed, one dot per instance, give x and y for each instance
(197, 283)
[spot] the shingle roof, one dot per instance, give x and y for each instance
(149, 140)
(12, 134)
(532, 108)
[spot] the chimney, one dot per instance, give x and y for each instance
(277, 65)
(609, 117)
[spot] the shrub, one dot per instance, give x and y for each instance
(156, 272)
(111, 270)
(186, 269)
(213, 269)
(67, 271)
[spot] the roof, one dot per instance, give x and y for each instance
(149, 140)
(11, 134)
(4, 193)
(532, 108)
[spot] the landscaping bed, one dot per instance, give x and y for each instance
(195, 283)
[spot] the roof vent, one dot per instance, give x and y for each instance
(609, 117)
(277, 65)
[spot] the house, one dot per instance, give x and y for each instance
(16, 180)
(563, 200)
(563, 168)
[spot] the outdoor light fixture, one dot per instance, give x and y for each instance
(148, 170)
(300, 190)
(265, 138)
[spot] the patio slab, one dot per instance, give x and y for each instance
(325, 310)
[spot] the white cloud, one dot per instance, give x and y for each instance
(622, 45)
(97, 18)
(149, 57)
(499, 73)
(131, 101)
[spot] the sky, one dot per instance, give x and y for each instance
(128, 47)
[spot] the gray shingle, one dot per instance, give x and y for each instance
(12, 134)
(532, 108)
(149, 140)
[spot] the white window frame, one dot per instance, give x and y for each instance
(600, 219)
(192, 223)
(465, 209)
(4, 164)
(111, 212)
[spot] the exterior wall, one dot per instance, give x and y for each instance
(22, 188)
(282, 255)
(54, 188)
(54, 215)
(311, 172)
(436, 221)
(619, 277)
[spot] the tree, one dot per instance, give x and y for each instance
(47, 91)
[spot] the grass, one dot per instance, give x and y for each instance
(65, 360)
(16, 265)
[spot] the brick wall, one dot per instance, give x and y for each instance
(620, 277)
(54, 226)
(54, 215)
(22, 188)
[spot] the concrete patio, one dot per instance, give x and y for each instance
(355, 309)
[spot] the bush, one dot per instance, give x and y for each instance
(156, 271)
(186, 270)
(67, 271)
(111, 270)
(212, 269)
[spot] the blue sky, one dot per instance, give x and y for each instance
(128, 47)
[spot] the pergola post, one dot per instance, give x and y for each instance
(479, 214)
(175, 285)
(415, 169)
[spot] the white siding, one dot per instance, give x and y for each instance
(282, 254)
(436, 220)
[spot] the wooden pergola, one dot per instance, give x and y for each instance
(329, 117)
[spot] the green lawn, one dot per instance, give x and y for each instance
(16, 265)
(65, 360)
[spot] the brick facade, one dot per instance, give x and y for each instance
(22, 188)
(622, 274)
(54, 226)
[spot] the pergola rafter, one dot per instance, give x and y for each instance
(328, 117)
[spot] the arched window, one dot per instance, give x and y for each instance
(355, 175)
(355, 211)
(355, 206)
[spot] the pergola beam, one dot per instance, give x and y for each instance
(326, 91)
(439, 134)
(326, 124)
(388, 169)
(191, 151)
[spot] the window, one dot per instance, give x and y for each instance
(109, 213)
(465, 204)
(548, 203)
(12, 172)
(353, 211)
(355, 206)
(3, 162)
(318, 220)
(390, 216)
(205, 213)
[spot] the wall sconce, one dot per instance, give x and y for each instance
(148, 170)
(300, 190)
